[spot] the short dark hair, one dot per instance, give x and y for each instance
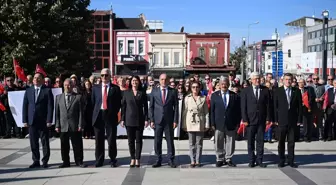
(289, 75)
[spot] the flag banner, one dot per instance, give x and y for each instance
(305, 100)
(15, 100)
(39, 69)
(325, 101)
(19, 71)
(2, 107)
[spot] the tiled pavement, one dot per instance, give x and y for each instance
(317, 162)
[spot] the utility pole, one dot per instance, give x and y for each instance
(325, 15)
(276, 53)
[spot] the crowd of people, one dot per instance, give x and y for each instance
(267, 109)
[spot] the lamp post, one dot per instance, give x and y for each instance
(242, 66)
(325, 15)
(248, 32)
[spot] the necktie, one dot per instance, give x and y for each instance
(224, 99)
(163, 96)
(302, 91)
(288, 97)
(257, 92)
(105, 98)
(67, 102)
(36, 93)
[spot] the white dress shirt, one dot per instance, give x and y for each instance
(103, 91)
(227, 95)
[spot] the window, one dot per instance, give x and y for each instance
(269, 57)
(155, 58)
(98, 64)
(106, 35)
(106, 53)
(331, 31)
(213, 56)
(165, 58)
(318, 48)
(106, 46)
(201, 53)
(319, 33)
(330, 46)
(106, 25)
(130, 47)
(120, 47)
(309, 49)
(310, 35)
(269, 67)
(176, 58)
(315, 34)
(313, 48)
(98, 35)
(141, 50)
(106, 63)
(106, 18)
(98, 46)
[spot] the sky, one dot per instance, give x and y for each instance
(232, 16)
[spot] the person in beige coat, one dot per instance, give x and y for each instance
(195, 122)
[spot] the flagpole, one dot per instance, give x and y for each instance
(14, 68)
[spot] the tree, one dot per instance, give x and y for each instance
(238, 57)
(54, 35)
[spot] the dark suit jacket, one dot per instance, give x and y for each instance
(41, 112)
(71, 118)
(221, 117)
(134, 109)
(283, 115)
(319, 90)
(113, 102)
(331, 97)
(159, 111)
(255, 111)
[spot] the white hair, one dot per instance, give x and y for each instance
(223, 79)
(106, 71)
(47, 79)
(254, 74)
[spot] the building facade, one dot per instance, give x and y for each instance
(169, 54)
(101, 42)
(209, 53)
(292, 47)
(131, 47)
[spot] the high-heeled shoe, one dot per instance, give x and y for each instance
(137, 164)
(132, 165)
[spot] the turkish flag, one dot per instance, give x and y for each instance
(39, 69)
(305, 100)
(325, 102)
(2, 107)
(19, 71)
(268, 127)
(241, 128)
(2, 89)
(115, 80)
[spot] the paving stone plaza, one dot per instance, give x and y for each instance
(316, 160)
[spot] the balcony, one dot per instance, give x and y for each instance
(198, 62)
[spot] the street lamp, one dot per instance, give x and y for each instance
(325, 15)
(242, 70)
(248, 32)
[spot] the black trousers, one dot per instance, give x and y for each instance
(328, 125)
(134, 135)
(36, 133)
(289, 133)
(77, 146)
(10, 124)
(104, 124)
(307, 120)
(319, 123)
(168, 129)
(2, 124)
(255, 135)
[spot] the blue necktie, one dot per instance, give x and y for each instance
(224, 100)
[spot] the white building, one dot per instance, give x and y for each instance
(292, 47)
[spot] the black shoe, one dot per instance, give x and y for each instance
(251, 165)
(281, 165)
(35, 165)
(172, 164)
(261, 165)
(231, 164)
(198, 165)
(293, 165)
(98, 165)
(7, 137)
(219, 164)
(270, 141)
(45, 165)
(114, 164)
(137, 165)
(82, 165)
(329, 139)
(157, 165)
(64, 165)
(192, 165)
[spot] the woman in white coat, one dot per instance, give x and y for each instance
(195, 122)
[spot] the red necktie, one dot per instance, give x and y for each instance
(163, 96)
(105, 98)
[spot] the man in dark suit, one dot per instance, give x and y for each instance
(331, 113)
(287, 114)
(163, 114)
(307, 113)
(37, 112)
(256, 113)
(106, 100)
(69, 122)
(225, 118)
(319, 91)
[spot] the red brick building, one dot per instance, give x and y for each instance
(209, 53)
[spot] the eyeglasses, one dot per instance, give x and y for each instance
(330, 79)
(309, 81)
(207, 79)
(315, 78)
(104, 75)
(195, 87)
(57, 81)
